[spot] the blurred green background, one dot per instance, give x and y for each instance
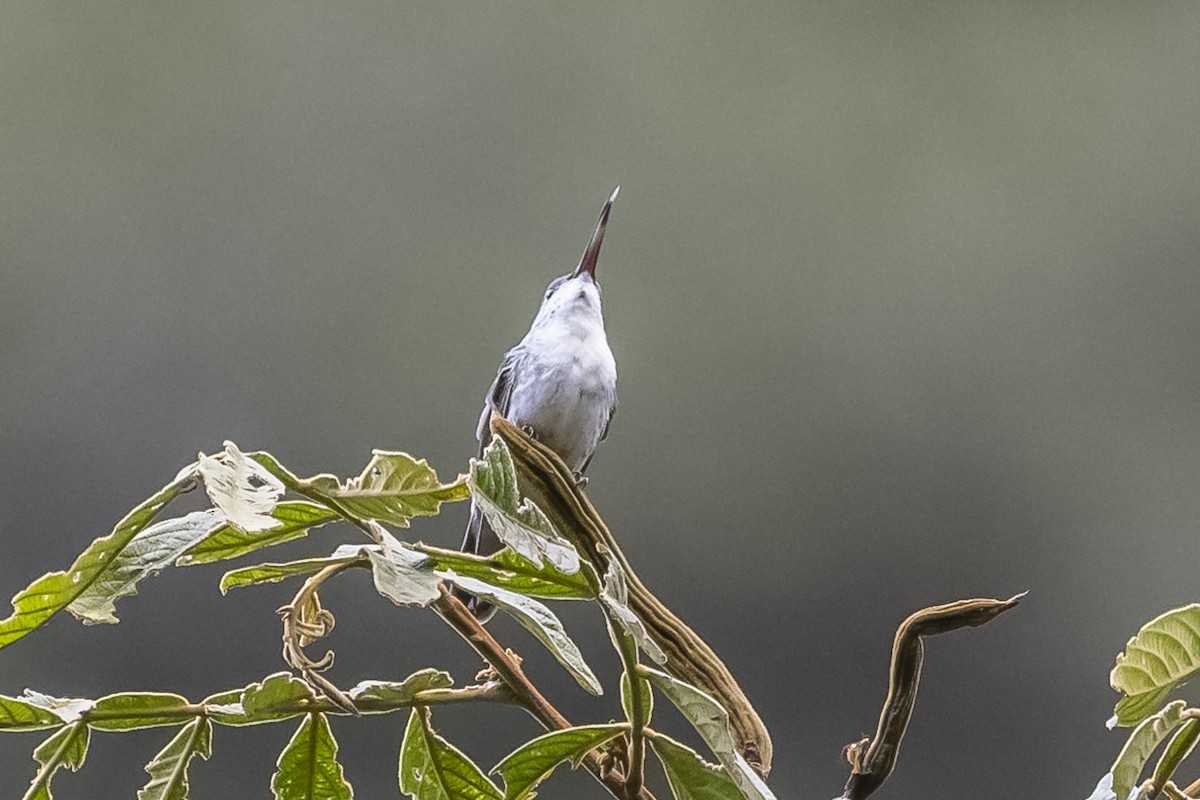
(904, 297)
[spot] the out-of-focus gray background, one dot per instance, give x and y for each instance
(904, 297)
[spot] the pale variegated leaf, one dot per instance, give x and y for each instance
(615, 599)
(712, 723)
(147, 554)
(54, 591)
(518, 522)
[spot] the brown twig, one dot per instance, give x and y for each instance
(525, 694)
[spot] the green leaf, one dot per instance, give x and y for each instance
(308, 768)
(243, 490)
(1180, 747)
(712, 723)
(296, 518)
(278, 696)
(393, 488)
(691, 777)
(21, 715)
(273, 573)
(147, 554)
(518, 522)
(433, 769)
(275, 697)
(368, 696)
(510, 571)
(66, 748)
(168, 769)
(129, 711)
(538, 620)
(530, 764)
(54, 591)
(402, 575)
(647, 697)
(1164, 652)
(1140, 745)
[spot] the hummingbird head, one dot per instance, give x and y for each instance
(578, 293)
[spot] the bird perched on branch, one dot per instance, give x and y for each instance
(559, 383)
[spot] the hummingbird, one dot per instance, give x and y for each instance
(559, 383)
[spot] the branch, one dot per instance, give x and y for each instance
(525, 694)
(872, 760)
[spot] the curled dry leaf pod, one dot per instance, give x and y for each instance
(545, 478)
(872, 769)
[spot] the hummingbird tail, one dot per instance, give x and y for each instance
(481, 540)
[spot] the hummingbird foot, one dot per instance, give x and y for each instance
(580, 480)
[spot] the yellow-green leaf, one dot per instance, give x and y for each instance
(433, 769)
(1164, 652)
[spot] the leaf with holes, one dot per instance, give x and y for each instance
(243, 490)
(433, 769)
(1164, 652)
(531, 763)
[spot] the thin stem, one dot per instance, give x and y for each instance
(1172, 791)
(490, 692)
(637, 711)
(464, 623)
(526, 695)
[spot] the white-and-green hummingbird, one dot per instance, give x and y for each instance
(559, 383)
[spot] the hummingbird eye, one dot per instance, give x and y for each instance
(554, 284)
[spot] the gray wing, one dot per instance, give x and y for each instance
(612, 412)
(498, 396)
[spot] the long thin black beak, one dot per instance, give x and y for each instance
(592, 254)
